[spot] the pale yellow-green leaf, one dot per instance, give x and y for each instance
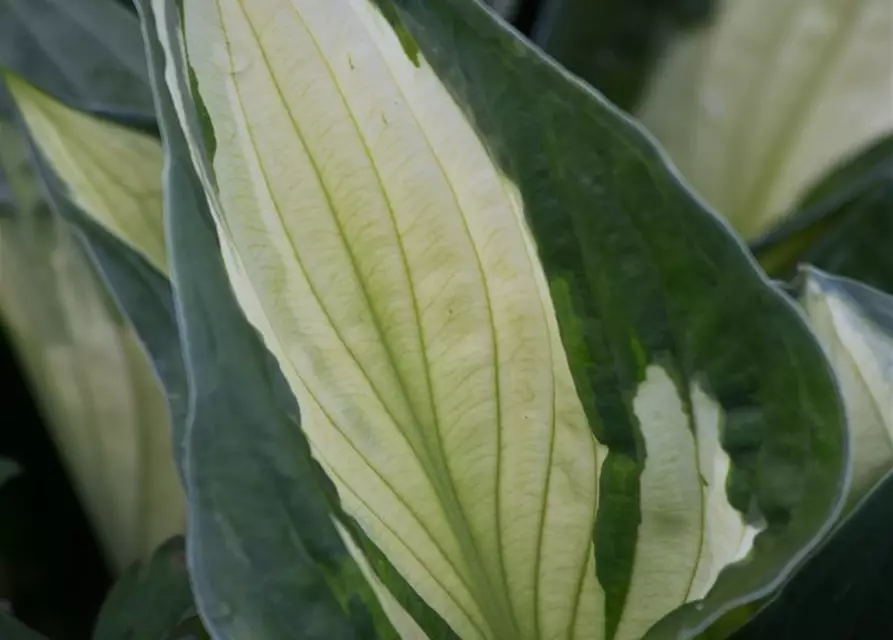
(756, 108)
(112, 173)
(861, 352)
(98, 392)
(386, 261)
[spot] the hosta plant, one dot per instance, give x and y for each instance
(107, 412)
(450, 348)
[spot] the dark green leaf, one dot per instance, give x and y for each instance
(11, 629)
(146, 123)
(190, 629)
(845, 590)
(9, 469)
(150, 600)
(85, 52)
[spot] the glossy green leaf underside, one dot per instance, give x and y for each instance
(855, 325)
(85, 52)
(97, 388)
(755, 109)
(339, 155)
(150, 600)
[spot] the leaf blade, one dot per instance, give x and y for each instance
(632, 313)
(587, 236)
(446, 511)
(333, 598)
(107, 412)
(753, 135)
(854, 323)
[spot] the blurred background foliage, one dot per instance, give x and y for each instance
(842, 223)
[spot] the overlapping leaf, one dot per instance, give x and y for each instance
(84, 52)
(89, 53)
(774, 94)
(855, 324)
(107, 412)
(844, 225)
(110, 171)
(832, 593)
(151, 600)
(844, 589)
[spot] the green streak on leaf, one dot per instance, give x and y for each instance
(618, 519)
(429, 620)
(573, 338)
(208, 137)
(407, 41)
